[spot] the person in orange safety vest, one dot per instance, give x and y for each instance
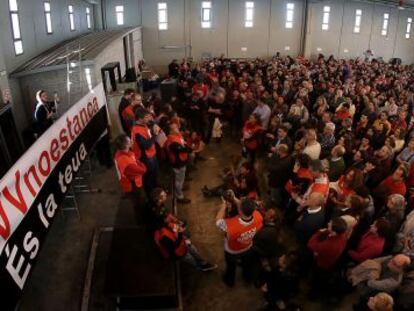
(143, 145)
(240, 231)
(171, 237)
(130, 174)
(129, 169)
(178, 155)
(128, 114)
(320, 185)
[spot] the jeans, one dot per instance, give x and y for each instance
(276, 195)
(193, 257)
(151, 175)
(245, 259)
(179, 177)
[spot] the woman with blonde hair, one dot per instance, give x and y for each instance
(321, 106)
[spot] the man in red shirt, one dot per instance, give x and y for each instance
(393, 184)
(326, 245)
(371, 244)
(201, 86)
(240, 231)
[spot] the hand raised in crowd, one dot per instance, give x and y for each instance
(156, 129)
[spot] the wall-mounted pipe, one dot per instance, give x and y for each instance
(304, 27)
(269, 28)
(372, 27)
(396, 34)
(342, 29)
(103, 11)
(184, 28)
(228, 28)
(381, 2)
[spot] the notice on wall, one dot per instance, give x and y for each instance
(33, 189)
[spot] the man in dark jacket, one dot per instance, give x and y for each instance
(280, 168)
(282, 138)
(266, 241)
(173, 69)
(125, 101)
(312, 219)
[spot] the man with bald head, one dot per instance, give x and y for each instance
(391, 275)
(312, 218)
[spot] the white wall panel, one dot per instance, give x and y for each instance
(33, 29)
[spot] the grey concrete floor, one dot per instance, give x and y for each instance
(58, 278)
(205, 291)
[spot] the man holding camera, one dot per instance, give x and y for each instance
(240, 231)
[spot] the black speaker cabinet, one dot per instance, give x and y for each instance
(10, 144)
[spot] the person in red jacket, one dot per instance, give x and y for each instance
(326, 245)
(201, 86)
(240, 231)
(393, 184)
(252, 131)
(173, 243)
(371, 244)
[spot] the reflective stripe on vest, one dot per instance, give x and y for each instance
(179, 251)
(172, 139)
(240, 236)
(122, 160)
(143, 131)
(320, 185)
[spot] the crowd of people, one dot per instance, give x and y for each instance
(334, 140)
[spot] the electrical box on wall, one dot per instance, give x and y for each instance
(287, 48)
(244, 49)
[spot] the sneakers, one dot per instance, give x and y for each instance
(201, 158)
(208, 267)
(184, 201)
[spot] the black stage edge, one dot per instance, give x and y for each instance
(137, 277)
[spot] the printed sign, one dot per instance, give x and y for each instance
(33, 189)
